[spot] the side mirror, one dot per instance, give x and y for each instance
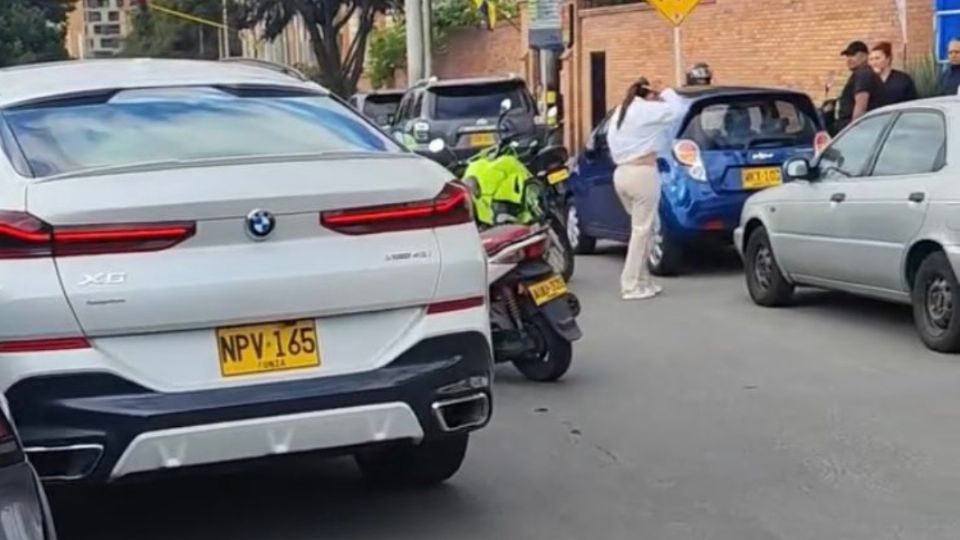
(437, 145)
(506, 105)
(798, 169)
(552, 114)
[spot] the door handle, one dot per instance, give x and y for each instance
(838, 197)
(917, 196)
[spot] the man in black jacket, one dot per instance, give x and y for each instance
(950, 78)
(864, 89)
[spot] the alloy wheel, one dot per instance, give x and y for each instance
(763, 267)
(656, 243)
(939, 304)
(573, 227)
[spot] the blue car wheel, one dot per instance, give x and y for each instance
(666, 253)
(580, 242)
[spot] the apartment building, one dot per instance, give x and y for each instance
(95, 29)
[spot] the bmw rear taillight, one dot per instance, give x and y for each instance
(23, 236)
(687, 154)
(820, 141)
(451, 207)
(44, 345)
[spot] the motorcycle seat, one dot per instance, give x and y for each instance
(495, 238)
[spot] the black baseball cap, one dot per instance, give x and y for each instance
(855, 47)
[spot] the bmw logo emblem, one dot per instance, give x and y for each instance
(260, 224)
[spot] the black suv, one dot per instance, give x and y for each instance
(463, 113)
(380, 106)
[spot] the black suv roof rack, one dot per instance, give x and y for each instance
(436, 81)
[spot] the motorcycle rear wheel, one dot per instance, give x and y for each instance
(554, 354)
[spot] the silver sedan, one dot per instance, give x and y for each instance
(877, 213)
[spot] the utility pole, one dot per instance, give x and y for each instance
(225, 33)
(426, 22)
(415, 67)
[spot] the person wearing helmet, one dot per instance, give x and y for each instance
(699, 75)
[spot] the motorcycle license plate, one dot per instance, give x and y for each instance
(558, 176)
(547, 290)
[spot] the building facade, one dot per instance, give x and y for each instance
(95, 29)
(786, 43)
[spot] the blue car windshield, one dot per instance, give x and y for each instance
(133, 127)
(742, 123)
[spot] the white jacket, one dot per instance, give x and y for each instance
(644, 129)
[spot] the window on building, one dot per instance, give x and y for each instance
(946, 19)
(111, 29)
(587, 4)
(113, 16)
(110, 43)
(96, 4)
(94, 16)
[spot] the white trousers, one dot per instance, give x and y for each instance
(638, 187)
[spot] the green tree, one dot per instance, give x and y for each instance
(339, 68)
(158, 34)
(32, 30)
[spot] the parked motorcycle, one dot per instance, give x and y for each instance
(504, 190)
(532, 314)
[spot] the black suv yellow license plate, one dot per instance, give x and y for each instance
(547, 290)
(262, 348)
(482, 139)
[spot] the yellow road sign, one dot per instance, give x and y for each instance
(674, 11)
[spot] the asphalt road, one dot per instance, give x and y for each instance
(695, 415)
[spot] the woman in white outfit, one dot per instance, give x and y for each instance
(638, 130)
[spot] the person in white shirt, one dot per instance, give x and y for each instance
(638, 129)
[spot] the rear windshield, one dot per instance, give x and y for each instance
(380, 109)
(476, 101)
(133, 127)
(752, 122)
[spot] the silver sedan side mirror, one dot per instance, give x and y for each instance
(797, 169)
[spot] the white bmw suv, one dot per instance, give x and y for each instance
(206, 262)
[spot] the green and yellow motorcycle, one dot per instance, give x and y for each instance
(505, 190)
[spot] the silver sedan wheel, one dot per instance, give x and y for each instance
(939, 300)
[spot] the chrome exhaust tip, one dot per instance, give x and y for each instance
(64, 463)
(462, 413)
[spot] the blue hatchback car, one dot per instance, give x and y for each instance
(728, 143)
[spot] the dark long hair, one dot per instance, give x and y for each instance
(639, 89)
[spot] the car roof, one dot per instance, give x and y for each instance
(41, 81)
(384, 92)
(703, 92)
(440, 83)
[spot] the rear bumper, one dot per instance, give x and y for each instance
(139, 430)
(692, 211)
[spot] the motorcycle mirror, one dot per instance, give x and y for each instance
(437, 145)
(506, 105)
(553, 113)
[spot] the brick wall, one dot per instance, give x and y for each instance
(472, 52)
(791, 43)
(477, 52)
